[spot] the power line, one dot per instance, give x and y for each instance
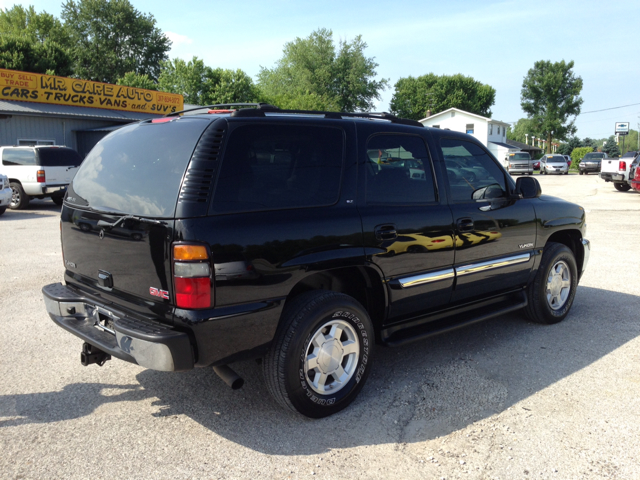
(612, 108)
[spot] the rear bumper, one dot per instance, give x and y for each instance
(35, 189)
(144, 342)
(612, 177)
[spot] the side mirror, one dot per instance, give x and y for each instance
(528, 187)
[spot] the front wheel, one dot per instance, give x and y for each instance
(2, 210)
(553, 289)
(622, 187)
(321, 355)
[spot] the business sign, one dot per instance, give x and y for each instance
(622, 128)
(34, 87)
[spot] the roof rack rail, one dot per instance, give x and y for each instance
(261, 108)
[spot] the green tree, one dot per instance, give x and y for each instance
(188, 79)
(589, 142)
(202, 85)
(21, 53)
(111, 38)
(37, 27)
(414, 96)
(570, 146)
(312, 75)
(522, 131)
(132, 79)
(577, 154)
(550, 96)
(611, 147)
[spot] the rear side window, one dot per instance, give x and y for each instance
(471, 172)
(269, 167)
(18, 156)
(138, 169)
(58, 157)
(399, 171)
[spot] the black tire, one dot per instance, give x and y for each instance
(538, 308)
(2, 210)
(566, 173)
(622, 187)
(19, 199)
(57, 200)
(284, 365)
(581, 172)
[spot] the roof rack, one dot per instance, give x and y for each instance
(260, 109)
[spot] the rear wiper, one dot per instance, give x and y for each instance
(110, 225)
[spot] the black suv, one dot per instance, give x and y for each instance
(303, 239)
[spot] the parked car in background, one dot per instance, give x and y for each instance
(520, 162)
(591, 162)
(554, 163)
(568, 159)
(617, 171)
(536, 165)
(38, 172)
(5, 193)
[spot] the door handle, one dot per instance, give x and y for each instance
(386, 232)
(465, 225)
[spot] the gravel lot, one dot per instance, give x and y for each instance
(502, 399)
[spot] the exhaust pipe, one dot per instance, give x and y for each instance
(91, 354)
(229, 377)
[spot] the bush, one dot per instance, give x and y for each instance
(578, 154)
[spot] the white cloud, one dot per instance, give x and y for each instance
(177, 39)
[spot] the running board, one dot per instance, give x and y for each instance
(414, 333)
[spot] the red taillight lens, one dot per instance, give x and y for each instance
(623, 165)
(192, 276)
(40, 176)
(193, 292)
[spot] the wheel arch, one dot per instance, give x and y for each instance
(363, 283)
(572, 239)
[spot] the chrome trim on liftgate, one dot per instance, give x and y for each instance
(490, 265)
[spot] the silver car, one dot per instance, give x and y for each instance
(554, 164)
(520, 162)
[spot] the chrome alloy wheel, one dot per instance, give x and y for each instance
(558, 285)
(15, 196)
(332, 357)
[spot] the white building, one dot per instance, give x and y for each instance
(491, 133)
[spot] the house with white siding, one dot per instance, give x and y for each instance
(491, 133)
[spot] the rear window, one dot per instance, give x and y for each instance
(268, 167)
(18, 156)
(138, 169)
(58, 157)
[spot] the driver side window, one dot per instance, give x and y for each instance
(471, 172)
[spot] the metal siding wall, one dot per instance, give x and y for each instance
(61, 130)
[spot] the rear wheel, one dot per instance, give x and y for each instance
(622, 187)
(19, 199)
(2, 210)
(553, 289)
(321, 356)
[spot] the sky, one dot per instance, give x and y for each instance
(494, 42)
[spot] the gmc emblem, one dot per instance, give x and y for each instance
(159, 293)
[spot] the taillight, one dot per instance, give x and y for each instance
(192, 276)
(40, 176)
(623, 165)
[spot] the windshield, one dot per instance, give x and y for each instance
(594, 156)
(556, 159)
(520, 156)
(138, 169)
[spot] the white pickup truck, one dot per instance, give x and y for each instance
(616, 170)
